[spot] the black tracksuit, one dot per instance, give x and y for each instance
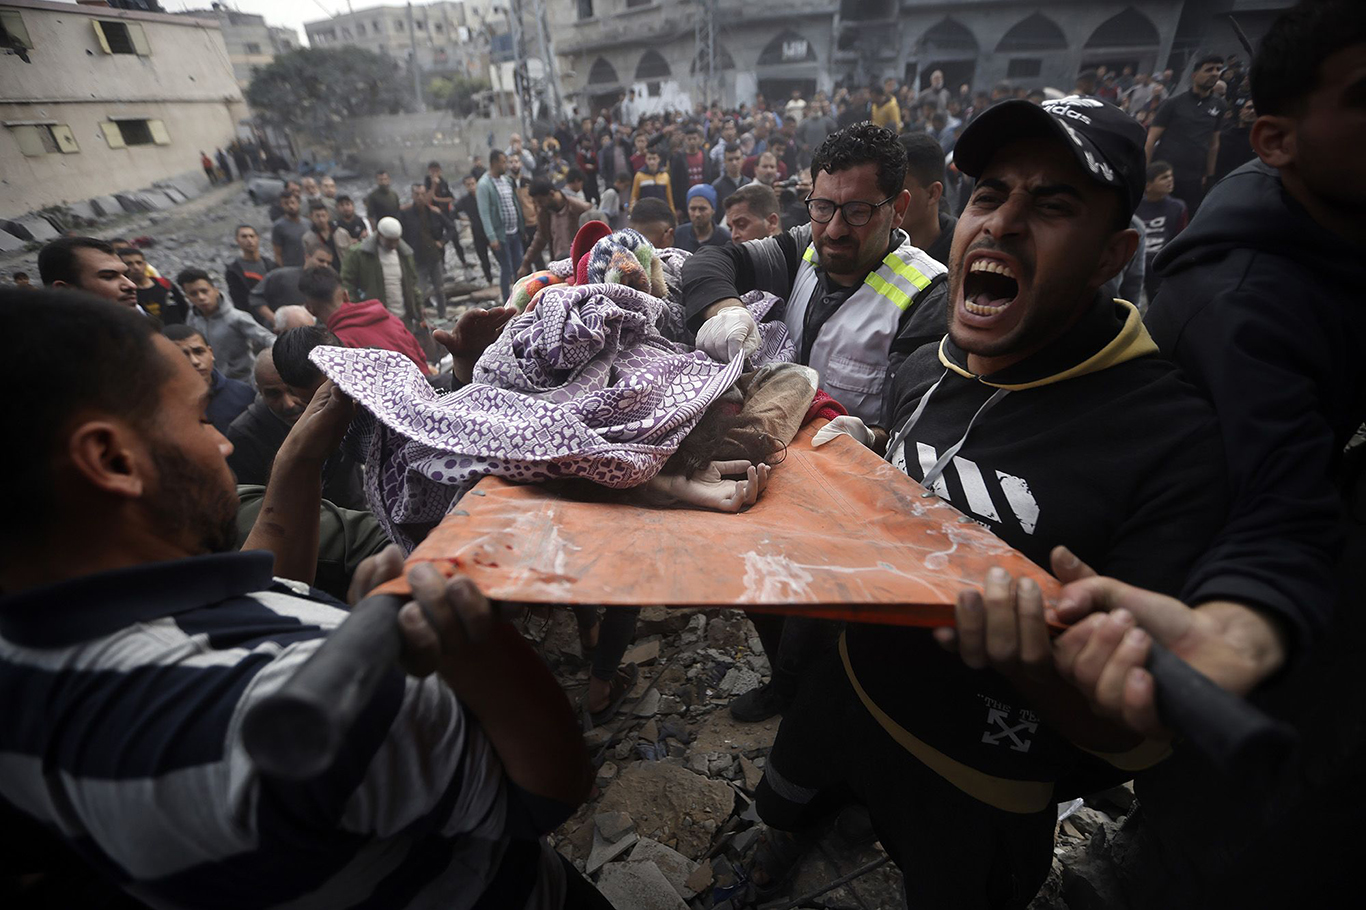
(1094, 442)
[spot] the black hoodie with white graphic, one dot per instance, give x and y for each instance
(1094, 442)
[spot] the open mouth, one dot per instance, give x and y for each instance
(989, 287)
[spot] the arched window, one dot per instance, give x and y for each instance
(949, 36)
(1127, 29)
(652, 66)
(602, 73)
(724, 61)
(1035, 33)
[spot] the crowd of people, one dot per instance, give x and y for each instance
(1068, 317)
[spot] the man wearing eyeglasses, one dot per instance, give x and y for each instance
(859, 293)
(859, 296)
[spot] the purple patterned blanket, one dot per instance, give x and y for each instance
(583, 385)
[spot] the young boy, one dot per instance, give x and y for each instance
(1163, 216)
(573, 183)
(615, 201)
(651, 182)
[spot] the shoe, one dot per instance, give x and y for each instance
(759, 704)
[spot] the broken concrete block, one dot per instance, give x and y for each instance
(676, 867)
(10, 243)
(174, 194)
(38, 227)
(604, 851)
(613, 825)
(738, 681)
(84, 209)
(647, 652)
(648, 705)
(638, 886)
(659, 796)
(752, 774)
(105, 206)
(606, 774)
(131, 202)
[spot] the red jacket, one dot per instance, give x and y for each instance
(368, 324)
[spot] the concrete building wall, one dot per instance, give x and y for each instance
(875, 40)
(404, 143)
(184, 83)
(447, 35)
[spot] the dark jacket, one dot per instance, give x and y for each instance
(439, 228)
(256, 436)
(1095, 442)
(681, 182)
(241, 281)
(1261, 307)
(227, 399)
(363, 277)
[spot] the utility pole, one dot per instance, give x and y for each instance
(704, 37)
(412, 61)
(521, 77)
(552, 76)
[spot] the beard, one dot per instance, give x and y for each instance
(191, 503)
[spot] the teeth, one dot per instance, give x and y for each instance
(979, 310)
(991, 265)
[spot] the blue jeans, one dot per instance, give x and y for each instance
(509, 254)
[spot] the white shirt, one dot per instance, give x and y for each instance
(393, 280)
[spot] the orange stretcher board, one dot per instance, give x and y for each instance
(838, 534)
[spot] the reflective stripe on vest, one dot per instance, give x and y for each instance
(852, 349)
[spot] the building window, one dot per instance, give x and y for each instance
(1024, 68)
(437, 26)
(398, 25)
(420, 25)
(375, 26)
(121, 37)
(122, 133)
(253, 48)
(13, 32)
(652, 89)
(38, 139)
(631, 4)
(346, 34)
(360, 28)
(585, 9)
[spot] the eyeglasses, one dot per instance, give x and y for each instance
(856, 213)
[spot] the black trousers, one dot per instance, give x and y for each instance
(481, 249)
(953, 850)
(792, 644)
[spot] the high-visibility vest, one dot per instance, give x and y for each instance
(852, 349)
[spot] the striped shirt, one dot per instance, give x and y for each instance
(125, 693)
(507, 202)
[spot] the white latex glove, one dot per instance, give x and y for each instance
(844, 425)
(730, 332)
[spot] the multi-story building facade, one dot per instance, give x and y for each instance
(609, 47)
(250, 41)
(448, 35)
(95, 101)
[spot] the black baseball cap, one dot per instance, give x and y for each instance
(1108, 143)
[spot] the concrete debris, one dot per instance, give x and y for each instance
(642, 654)
(606, 774)
(676, 867)
(638, 886)
(670, 804)
(604, 851)
(648, 706)
(613, 825)
(738, 681)
(751, 773)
